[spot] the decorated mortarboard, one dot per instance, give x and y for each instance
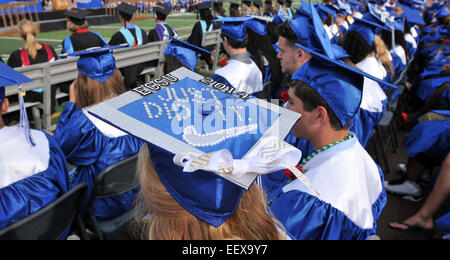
(234, 27)
(208, 143)
(77, 16)
(126, 9)
(281, 16)
(317, 43)
(8, 77)
(344, 7)
(184, 51)
(162, 8)
(97, 63)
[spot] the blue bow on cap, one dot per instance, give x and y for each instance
(8, 77)
(340, 89)
(97, 63)
(234, 27)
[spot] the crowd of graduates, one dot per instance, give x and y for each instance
(340, 64)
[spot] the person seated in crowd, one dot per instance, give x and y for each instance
(204, 25)
(88, 143)
(81, 38)
(326, 212)
(423, 220)
(134, 36)
(32, 165)
(282, 11)
(234, 10)
(268, 8)
(218, 9)
(32, 53)
(162, 28)
(240, 72)
(197, 219)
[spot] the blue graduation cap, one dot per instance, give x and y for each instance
(259, 24)
(173, 115)
(320, 47)
(96, 63)
(8, 77)
(183, 51)
(234, 27)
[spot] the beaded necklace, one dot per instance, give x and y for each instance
(309, 158)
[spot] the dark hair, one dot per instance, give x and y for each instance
(259, 48)
(311, 99)
(272, 31)
(161, 16)
(399, 39)
(235, 43)
(206, 15)
(356, 46)
(285, 31)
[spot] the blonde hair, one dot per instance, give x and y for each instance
(29, 32)
(170, 221)
(73, 27)
(383, 54)
(91, 92)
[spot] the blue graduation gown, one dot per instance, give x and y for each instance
(86, 147)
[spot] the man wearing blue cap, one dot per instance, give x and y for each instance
(240, 72)
(349, 183)
(33, 167)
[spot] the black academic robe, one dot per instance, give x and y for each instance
(130, 73)
(196, 39)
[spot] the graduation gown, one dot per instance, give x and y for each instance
(351, 199)
(374, 100)
(92, 145)
(131, 73)
(31, 177)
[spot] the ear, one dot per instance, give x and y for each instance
(321, 115)
(4, 107)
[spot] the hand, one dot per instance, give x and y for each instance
(73, 92)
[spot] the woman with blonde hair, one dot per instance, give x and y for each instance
(159, 216)
(88, 143)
